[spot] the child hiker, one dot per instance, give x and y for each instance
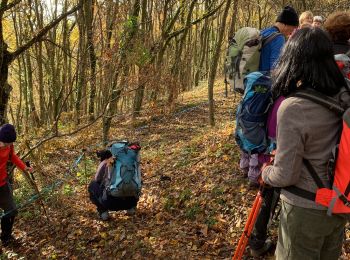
(7, 137)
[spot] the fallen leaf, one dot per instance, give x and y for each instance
(204, 230)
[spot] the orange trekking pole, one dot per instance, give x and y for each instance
(248, 227)
(253, 215)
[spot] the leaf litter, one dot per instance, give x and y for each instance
(194, 201)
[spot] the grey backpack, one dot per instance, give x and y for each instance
(243, 55)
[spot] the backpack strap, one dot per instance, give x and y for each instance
(323, 100)
(267, 39)
(332, 105)
(313, 174)
(347, 190)
(301, 192)
(320, 99)
(304, 193)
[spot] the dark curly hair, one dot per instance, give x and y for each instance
(307, 58)
(338, 26)
(104, 154)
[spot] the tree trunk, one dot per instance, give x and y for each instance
(6, 57)
(126, 47)
(232, 28)
(173, 91)
(89, 10)
(81, 69)
(139, 94)
(204, 49)
(214, 64)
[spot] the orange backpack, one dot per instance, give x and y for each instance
(336, 198)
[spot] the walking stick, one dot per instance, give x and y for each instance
(31, 180)
(248, 227)
(253, 215)
(226, 89)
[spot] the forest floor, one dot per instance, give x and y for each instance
(194, 200)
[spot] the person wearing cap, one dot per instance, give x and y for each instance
(7, 137)
(286, 23)
(317, 21)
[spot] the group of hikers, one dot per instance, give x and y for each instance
(287, 128)
(297, 55)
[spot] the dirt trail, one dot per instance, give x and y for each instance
(194, 201)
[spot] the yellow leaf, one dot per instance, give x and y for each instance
(103, 235)
(238, 224)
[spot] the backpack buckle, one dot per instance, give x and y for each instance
(345, 201)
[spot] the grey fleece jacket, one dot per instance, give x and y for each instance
(304, 130)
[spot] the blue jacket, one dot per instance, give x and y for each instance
(271, 51)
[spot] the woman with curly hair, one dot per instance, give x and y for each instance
(338, 27)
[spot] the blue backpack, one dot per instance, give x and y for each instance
(124, 176)
(252, 112)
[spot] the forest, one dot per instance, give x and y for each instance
(78, 74)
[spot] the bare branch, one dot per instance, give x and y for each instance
(205, 16)
(173, 21)
(60, 135)
(42, 32)
(65, 50)
(4, 7)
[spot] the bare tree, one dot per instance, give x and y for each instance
(214, 63)
(7, 57)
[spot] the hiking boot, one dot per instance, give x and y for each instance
(104, 215)
(263, 250)
(245, 172)
(131, 211)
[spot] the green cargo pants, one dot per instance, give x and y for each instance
(309, 234)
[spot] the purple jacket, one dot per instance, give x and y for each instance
(271, 128)
(272, 118)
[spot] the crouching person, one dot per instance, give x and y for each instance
(7, 137)
(117, 182)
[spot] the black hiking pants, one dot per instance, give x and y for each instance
(110, 203)
(9, 207)
(259, 234)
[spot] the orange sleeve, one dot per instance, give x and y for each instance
(18, 162)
